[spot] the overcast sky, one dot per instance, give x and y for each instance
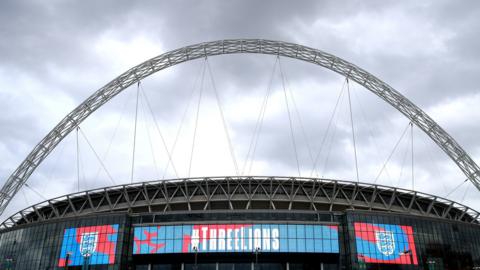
(54, 54)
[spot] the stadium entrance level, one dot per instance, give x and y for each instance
(236, 261)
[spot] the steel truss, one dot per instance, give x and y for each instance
(248, 193)
(259, 46)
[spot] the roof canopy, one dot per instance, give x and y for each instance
(244, 193)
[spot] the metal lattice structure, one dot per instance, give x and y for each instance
(258, 46)
(244, 194)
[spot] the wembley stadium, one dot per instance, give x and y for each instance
(245, 223)
(242, 222)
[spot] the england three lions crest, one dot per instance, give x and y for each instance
(385, 242)
(88, 243)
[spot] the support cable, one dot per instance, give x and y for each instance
(353, 130)
(455, 189)
(152, 152)
(135, 133)
(391, 153)
(465, 194)
(78, 161)
(404, 159)
(413, 160)
(107, 152)
(371, 129)
(259, 124)
(25, 197)
(36, 192)
(325, 135)
(332, 137)
(96, 155)
(300, 122)
(196, 122)
(224, 122)
(182, 121)
(292, 135)
(145, 97)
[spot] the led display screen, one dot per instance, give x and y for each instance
(236, 238)
(98, 243)
(384, 243)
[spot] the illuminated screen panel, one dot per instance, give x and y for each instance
(98, 241)
(384, 243)
(236, 238)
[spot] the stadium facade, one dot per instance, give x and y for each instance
(243, 223)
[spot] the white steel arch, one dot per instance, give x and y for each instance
(231, 46)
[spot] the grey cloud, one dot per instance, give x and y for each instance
(53, 43)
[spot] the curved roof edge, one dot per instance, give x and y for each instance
(243, 193)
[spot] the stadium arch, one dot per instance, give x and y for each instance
(234, 46)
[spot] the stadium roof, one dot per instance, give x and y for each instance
(243, 193)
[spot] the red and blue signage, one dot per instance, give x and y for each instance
(384, 243)
(97, 244)
(236, 238)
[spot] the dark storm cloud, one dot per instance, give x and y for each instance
(67, 49)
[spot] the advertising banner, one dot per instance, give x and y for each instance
(97, 244)
(236, 238)
(384, 243)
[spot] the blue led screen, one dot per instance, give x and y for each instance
(305, 238)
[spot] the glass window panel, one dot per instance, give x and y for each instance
(318, 246)
(309, 245)
(309, 231)
(169, 232)
(178, 232)
(300, 231)
(300, 244)
(292, 245)
(317, 231)
(292, 231)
